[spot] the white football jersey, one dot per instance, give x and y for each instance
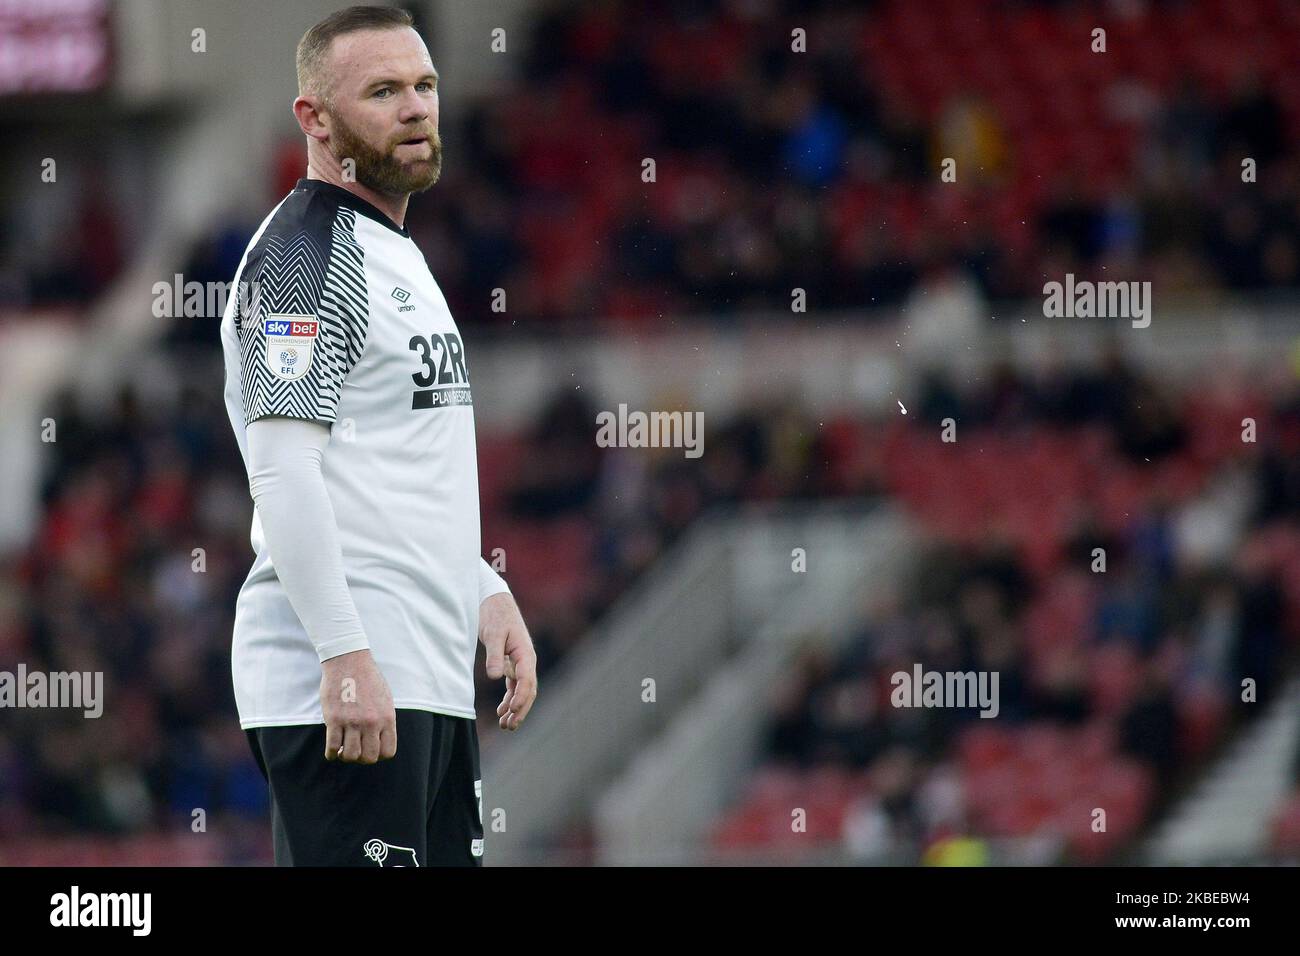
(344, 324)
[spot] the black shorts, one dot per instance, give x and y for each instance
(423, 807)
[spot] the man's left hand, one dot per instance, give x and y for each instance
(502, 632)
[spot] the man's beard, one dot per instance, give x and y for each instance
(380, 170)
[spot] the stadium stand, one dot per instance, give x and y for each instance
(774, 173)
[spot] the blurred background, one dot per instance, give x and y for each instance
(716, 635)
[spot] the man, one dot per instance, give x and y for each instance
(347, 386)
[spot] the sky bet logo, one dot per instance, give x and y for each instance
(285, 327)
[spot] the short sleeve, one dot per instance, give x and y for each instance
(303, 327)
(489, 582)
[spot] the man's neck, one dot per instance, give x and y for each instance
(394, 207)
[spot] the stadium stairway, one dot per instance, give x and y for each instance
(659, 811)
(1226, 818)
(33, 357)
(662, 686)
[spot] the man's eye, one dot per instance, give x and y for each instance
(382, 90)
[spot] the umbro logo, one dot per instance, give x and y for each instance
(401, 295)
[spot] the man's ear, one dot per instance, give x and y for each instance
(312, 117)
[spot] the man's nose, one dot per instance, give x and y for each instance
(414, 108)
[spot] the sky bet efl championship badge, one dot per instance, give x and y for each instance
(290, 340)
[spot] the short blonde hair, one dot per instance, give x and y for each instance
(314, 46)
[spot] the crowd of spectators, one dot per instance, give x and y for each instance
(57, 255)
(774, 171)
(816, 170)
(821, 171)
(113, 580)
(1135, 658)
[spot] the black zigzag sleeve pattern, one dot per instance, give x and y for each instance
(298, 277)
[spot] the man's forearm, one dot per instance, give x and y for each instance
(293, 505)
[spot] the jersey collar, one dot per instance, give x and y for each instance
(353, 201)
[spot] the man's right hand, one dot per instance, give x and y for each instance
(360, 722)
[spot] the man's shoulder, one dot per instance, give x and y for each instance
(307, 237)
(304, 216)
